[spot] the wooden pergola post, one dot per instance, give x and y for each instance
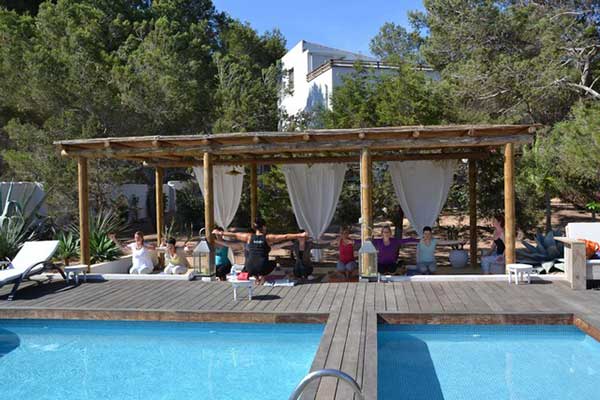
(209, 213)
(366, 200)
(473, 237)
(160, 209)
(253, 193)
(366, 203)
(84, 209)
(509, 202)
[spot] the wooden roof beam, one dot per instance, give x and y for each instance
(314, 147)
(475, 155)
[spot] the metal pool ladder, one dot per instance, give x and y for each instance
(326, 372)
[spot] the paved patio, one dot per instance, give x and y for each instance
(350, 311)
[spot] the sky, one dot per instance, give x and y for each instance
(344, 24)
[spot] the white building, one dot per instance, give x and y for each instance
(311, 71)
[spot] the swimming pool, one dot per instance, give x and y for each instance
(58, 359)
(494, 362)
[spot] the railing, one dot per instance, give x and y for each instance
(352, 63)
(326, 372)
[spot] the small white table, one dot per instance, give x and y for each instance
(519, 271)
(249, 284)
(73, 271)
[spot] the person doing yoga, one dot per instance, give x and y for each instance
(258, 247)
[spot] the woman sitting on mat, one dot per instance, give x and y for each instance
(426, 252)
(140, 253)
(388, 248)
(259, 245)
(347, 261)
(496, 254)
(175, 259)
(222, 261)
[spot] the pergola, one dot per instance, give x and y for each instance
(362, 145)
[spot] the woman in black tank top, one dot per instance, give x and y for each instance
(258, 246)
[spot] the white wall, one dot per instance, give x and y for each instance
(20, 192)
(297, 60)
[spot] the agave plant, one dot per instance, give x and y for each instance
(68, 247)
(19, 220)
(102, 248)
(546, 252)
(13, 234)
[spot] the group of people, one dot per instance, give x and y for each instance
(388, 248)
(141, 256)
(257, 245)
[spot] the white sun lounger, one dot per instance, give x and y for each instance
(32, 259)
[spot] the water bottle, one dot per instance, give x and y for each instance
(232, 276)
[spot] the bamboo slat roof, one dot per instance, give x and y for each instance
(325, 145)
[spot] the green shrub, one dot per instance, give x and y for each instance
(102, 248)
(104, 223)
(190, 207)
(16, 224)
(13, 233)
(68, 247)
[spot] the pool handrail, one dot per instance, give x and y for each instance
(326, 372)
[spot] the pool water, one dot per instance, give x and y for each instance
(494, 362)
(42, 359)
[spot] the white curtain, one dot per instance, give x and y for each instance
(227, 189)
(314, 192)
(422, 189)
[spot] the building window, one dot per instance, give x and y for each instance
(289, 81)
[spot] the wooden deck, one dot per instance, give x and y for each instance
(351, 311)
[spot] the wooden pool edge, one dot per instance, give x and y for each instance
(550, 318)
(163, 315)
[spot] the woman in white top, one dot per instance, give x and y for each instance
(140, 254)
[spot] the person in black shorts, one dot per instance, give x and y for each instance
(258, 247)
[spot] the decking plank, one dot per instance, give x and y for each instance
(411, 297)
(488, 297)
(436, 303)
(422, 298)
(390, 297)
(318, 298)
(352, 349)
(457, 303)
(328, 386)
(379, 298)
(471, 298)
(444, 299)
(401, 300)
(295, 294)
(329, 297)
(309, 296)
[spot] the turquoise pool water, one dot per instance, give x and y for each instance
(487, 362)
(41, 359)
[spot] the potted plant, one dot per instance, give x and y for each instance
(458, 257)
